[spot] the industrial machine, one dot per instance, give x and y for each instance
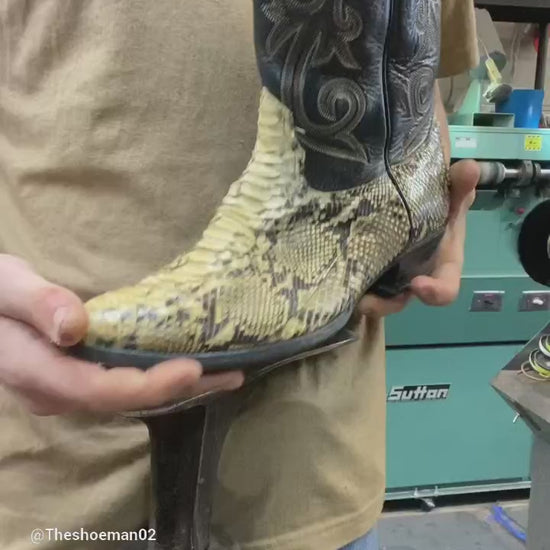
(523, 385)
(448, 431)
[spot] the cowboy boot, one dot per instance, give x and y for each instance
(346, 192)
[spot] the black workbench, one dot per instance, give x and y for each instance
(525, 11)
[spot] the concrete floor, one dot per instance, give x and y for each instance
(470, 527)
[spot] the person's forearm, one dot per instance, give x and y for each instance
(441, 116)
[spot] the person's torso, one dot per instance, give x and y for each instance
(122, 124)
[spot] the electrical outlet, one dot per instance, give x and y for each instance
(487, 301)
(535, 301)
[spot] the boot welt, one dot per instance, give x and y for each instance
(418, 260)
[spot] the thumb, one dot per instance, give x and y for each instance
(55, 312)
(464, 175)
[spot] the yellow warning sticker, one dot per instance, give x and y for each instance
(533, 143)
(494, 73)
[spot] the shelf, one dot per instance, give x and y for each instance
(526, 11)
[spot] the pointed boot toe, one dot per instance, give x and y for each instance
(117, 317)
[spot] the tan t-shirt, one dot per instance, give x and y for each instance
(122, 124)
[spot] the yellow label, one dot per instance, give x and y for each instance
(494, 75)
(533, 143)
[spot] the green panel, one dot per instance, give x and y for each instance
(491, 264)
(456, 324)
(493, 229)
(469, 438)
(499, 143)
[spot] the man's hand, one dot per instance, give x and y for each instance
(443, 286)
(35, 315)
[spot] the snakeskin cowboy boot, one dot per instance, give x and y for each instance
(346, 192)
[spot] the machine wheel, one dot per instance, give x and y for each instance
(534, 244)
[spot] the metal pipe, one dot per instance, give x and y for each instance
(185, 450)
(542, 58)
(512, 173)
(491, 173)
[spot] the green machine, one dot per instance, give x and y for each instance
(448, 431)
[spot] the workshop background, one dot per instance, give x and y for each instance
(519, 41)
(459, 457)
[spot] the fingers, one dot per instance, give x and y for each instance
(225, 381)
(464, 176)
(52, 310)
(376, 307)
(124, 389)
(51, 383)
(442, 288)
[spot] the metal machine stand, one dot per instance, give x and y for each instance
(531, 400)
(539, 533)
(542, 58)
(458, 350)
(525, 11)
(186, 444)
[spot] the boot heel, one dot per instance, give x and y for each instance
(419, 260)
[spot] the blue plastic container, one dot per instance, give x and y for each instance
(526, 105)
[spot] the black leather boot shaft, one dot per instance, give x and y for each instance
(358, 77)
(413, 61)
